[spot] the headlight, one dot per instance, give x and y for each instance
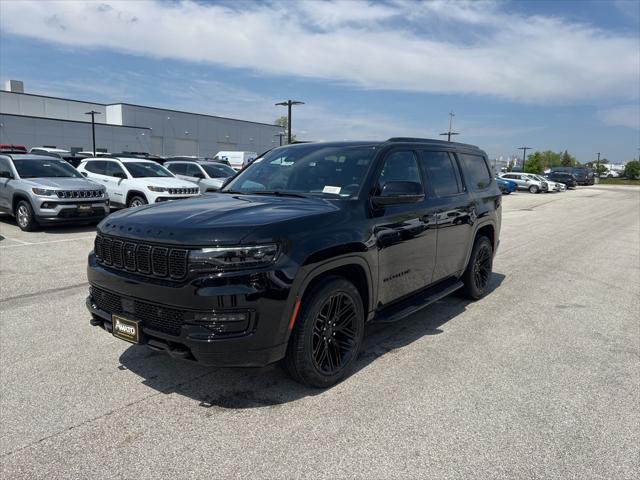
(233, 258)
(156, 189)
(43, 191)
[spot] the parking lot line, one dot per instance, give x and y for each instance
(25, 244)
(22, 242)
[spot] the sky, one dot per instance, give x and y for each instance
(546, 74)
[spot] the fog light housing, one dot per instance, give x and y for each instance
(223, 322)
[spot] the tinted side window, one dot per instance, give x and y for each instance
(400, 167)
(111, 168)
(4, 165)
(476, 172)
(177, 168)
(442, 173)
(96, 166)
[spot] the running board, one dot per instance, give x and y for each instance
(417, 302)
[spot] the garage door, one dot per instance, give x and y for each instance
(186, 147)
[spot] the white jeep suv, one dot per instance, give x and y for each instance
(132, 182)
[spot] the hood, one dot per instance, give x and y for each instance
(216, 219)
(66, 183)
(168, 182)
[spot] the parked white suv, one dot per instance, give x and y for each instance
(526, 182)
(132, 182)
(209, 176)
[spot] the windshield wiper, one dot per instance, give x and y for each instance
(276, 193)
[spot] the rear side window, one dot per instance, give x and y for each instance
(476, 172)
(442, 173)
(97, 166)
(177, 168)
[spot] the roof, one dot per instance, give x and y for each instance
(28, 156)
(122, 159)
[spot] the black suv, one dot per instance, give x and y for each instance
(563, 177)
(297, 252)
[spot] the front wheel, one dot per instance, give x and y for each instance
(478, 273)
(328, 334)
(534, 189)
(25, 218)
(137, 201)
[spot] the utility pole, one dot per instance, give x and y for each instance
(450, 132)
(289, 104)
(598, 165)
(93, 113)
(524, 155)
(280, 135)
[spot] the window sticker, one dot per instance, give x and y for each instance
(330, 189)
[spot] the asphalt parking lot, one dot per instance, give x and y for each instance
(540, 379)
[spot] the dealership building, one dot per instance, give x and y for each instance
(42, 121)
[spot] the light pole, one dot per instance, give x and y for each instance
(289, 104)
(524, 155)
(280, 135)
(598, 165)
(450, 132)
(93, 114)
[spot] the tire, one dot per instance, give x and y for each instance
(534, 189)
(25, 218)
(320, 355)
(137, 201)
(478, 272)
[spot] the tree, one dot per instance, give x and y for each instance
(567, 160)
(535, 163)
(551, 159)
(632, 169)
(284, 123)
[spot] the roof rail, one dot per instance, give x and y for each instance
(429, 140)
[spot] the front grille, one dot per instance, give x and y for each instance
(157, 261)
(79, 193)
(162, 319)
(183, 191)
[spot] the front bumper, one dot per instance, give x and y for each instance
(166, 313)
(56, 211)
(168, 198)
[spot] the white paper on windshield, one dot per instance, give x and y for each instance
(330, 189)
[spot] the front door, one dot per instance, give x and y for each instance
(116, 185)
(405, 234)
(5, 197)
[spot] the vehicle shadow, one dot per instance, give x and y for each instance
(238, 388)
(52, 229)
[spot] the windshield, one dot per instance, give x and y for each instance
(45, 168)
(146, 169)
(218, 171)
(310, 169)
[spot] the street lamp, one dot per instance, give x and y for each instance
(450, 132)
(288, 104)
(280, 135)
(93, 113)
(524, 155)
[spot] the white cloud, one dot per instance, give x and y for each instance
(622, 116)
(436, 47)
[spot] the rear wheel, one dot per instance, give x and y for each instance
(328, 333)
(534, 189)
(137, 201)
(478, 273)
(25, 218)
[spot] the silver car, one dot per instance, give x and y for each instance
(39, 190)
(209, 175)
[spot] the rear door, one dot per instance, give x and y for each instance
(405, 234)
(455, 209)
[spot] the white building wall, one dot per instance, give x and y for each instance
(40, 106)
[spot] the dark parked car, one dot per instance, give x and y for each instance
(583, 175)
(563, 177)
(297, 252)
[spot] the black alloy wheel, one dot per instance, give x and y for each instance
(327, 335)
(478, 272)
(334, 333)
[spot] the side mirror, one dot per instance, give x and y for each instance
(120, 175)
(85, 174)
(6, 175)
(198, 175)
(395, 193)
